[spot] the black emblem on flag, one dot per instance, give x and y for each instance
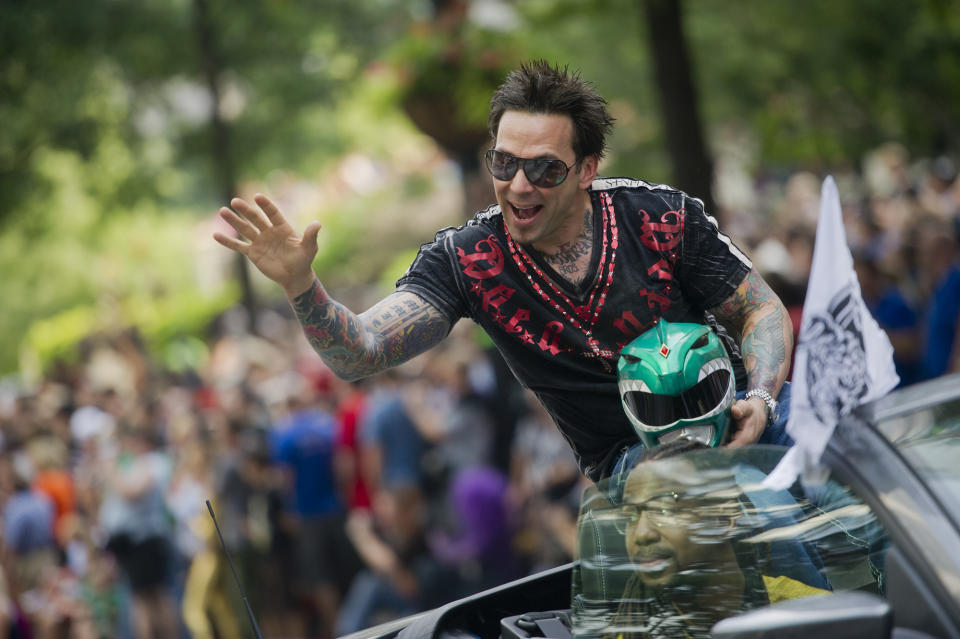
(837, 377)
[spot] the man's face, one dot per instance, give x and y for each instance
(661, 523)
(542, 217)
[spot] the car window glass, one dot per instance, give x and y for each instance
(929, 438)
(674, 545)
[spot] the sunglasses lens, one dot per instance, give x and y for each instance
(540, 172)
(546, 173)
(501, 165)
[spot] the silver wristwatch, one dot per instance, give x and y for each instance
(773, 406)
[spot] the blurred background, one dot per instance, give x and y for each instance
(145, 369)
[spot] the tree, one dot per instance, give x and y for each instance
(679, 105)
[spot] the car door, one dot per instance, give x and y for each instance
(875, 551)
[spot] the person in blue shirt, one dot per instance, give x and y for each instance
(304, 445)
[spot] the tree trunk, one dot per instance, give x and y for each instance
(692, 163)
(220, 151)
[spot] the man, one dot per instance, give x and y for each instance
(681, 530)
(563, 271)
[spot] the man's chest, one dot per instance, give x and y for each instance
(526, 306)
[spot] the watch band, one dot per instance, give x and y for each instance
(773, 406)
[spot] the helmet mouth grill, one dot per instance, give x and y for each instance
(653, 411)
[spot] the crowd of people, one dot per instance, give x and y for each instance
(902, 219)
(341, 505)
(345, 504)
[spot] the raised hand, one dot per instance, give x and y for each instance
(272, 245)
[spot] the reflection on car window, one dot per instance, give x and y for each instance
(676, 544)
(930, 440)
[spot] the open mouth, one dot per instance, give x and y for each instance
(527, 213)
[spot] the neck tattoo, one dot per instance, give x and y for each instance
(573, 258)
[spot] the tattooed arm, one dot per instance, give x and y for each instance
(394, 330)
(353, 346)
(766, 341)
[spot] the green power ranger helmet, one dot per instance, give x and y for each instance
(676, 380)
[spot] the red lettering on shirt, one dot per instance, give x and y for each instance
(486, 251)
(513, 326)
(629, 325)
(496, 296)
(659, 303)
(550, 338)
(664, 234)
(662, 271)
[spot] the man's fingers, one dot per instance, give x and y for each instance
(250, 213)
(231, 243)
(742, 408)
(310, 236)
(742, 437)
(273, 213)
(742, 411)
(239, 224)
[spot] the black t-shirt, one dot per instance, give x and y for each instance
(656, 253)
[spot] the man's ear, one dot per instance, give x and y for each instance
(588, 171)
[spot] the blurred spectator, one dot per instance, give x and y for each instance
(209, 605)
(392, 445)
(401, 576)
(190, 486)
(305, 444)
(54, 480)
(541, 458)
(480, 544)
(890, 305)
(91, 423)
(940, 190)
(28, 516)
(58, 608)
(135, 519)
(543, 471)
(103, 596)
(450, 414)
(350, 412)
(938, 255)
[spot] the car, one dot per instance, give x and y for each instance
(693, 544)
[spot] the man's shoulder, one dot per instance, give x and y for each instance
(636, 190)
(480, 226)
(631, 185)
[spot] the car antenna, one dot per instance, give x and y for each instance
(243, 595)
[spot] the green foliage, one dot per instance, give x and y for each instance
(822, 82)
(396, 268)
(108, 158)
(603, 40)
(168, 326)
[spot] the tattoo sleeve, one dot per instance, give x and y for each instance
(394, 330)
(766, 332)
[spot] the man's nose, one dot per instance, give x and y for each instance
(520, 182)
(644, 532)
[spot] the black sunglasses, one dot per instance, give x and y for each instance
(543, 172)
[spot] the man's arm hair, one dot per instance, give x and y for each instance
(399, 327)
(766, 332)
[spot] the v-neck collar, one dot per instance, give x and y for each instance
(577, 292)
(583, 313)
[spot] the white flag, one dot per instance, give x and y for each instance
(843, 357)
